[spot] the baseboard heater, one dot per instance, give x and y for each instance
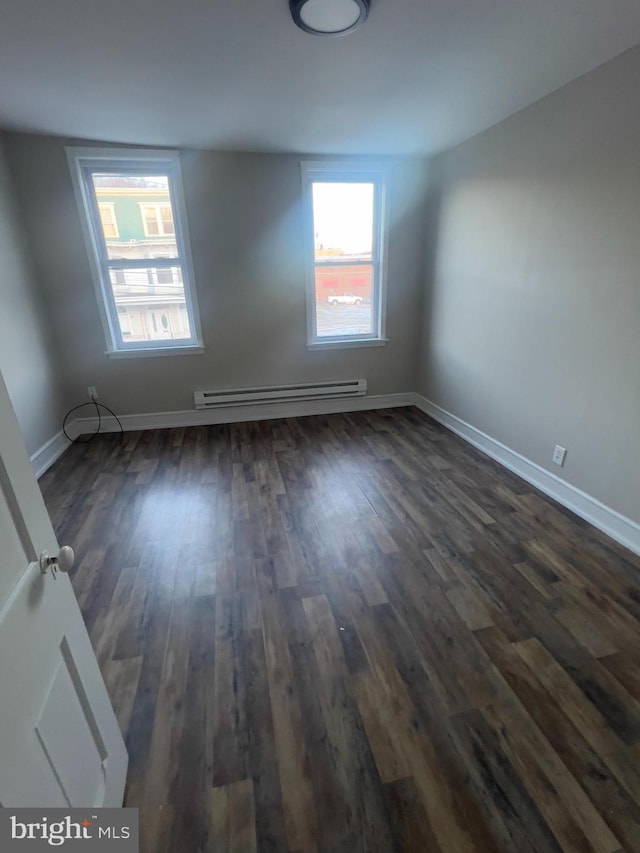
(280, 393)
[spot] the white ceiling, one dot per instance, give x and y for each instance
(420, 76)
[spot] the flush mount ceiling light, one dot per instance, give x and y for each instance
(329, 17)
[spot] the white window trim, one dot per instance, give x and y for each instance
(167, 162)
(150, 352)
(345, 171)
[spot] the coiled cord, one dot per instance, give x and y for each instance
(83, 438)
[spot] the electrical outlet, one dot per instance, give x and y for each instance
(558, 455)
(93, 394)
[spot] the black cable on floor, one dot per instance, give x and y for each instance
(83, 438)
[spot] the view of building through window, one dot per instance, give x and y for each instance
(137, 224)
(343, 224)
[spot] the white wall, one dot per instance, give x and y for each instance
(532, 308)
(247, 242)
(29, 359)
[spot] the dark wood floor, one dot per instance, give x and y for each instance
(354, 633)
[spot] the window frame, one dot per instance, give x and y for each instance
(82, 162)
(347, 171)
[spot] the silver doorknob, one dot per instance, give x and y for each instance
(62, 561)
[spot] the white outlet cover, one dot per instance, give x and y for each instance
(559, 454)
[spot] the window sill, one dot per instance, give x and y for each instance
(367, 342)
(150, 352)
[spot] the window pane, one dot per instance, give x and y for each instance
(150, 303)
(150, 221)
(108, 220)
(344, 300)
(166, 215)
(141, 207)
(125, 321)
(343, 220)
(165, 276)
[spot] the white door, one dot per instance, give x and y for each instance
(59, 739)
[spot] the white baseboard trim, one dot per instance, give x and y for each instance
(614, 524)
(238, 414)
(53, 449)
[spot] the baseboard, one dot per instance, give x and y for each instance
(236, 414)
(617, 526)
(44, 458)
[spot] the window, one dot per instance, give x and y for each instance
(157, 219)
(345, 253)
(124, 320)
(108, 219)
(165, 276)
(134, 221)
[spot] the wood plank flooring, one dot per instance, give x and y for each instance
(354, 633)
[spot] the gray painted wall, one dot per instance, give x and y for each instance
(532, 310)
(29, 360)
(245, 226)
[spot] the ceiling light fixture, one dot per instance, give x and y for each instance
(329, 17)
